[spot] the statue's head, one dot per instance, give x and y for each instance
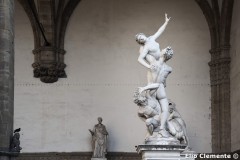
(172, 106)
(100, 119)
(139, 99)
(141, 38)
(168, 54)
(17, 135)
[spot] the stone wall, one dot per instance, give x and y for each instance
(103, 72)
(235, 77)
(110, 156)
(76, 156)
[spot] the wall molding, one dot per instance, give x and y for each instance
(77, 156)
(88, 155)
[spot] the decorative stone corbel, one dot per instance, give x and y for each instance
(46, 67)
(49, 19)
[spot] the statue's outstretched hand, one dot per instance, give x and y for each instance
(166, 18)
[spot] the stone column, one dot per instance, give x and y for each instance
(6, 75)
(220, 89)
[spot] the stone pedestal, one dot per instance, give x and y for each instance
(161, 152)
(98, 158)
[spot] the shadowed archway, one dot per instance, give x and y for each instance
(219, 23)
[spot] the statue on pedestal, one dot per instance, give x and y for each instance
(162, 119)
(99, 140)
(15, 142)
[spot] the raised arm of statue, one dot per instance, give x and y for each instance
(162, 28)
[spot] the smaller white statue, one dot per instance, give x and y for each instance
(99, 140)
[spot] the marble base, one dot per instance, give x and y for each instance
(157, 139)
(161, 141)
(161, 152)
(98, 158)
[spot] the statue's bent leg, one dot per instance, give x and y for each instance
(149, 125)
(165, 113)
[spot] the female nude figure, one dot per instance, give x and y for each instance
(154, 59)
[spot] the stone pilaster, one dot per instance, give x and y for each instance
(220, 103)
(6, 74)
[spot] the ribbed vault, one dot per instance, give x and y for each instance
(49, 19)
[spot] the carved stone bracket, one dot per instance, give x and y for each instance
(46, 67)
(49, 19)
